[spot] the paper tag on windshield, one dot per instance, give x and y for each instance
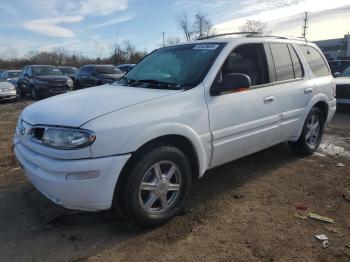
(206, 47)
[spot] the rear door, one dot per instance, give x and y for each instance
(293, 88)
(243, 122)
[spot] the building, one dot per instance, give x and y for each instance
(335, 49)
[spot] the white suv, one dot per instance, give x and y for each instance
(136, 145)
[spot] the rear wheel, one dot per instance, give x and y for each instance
(156, 188)
(312, 132)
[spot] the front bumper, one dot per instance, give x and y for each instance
(8, 95)
(50, 177)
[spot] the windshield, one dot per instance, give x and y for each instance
(68, 70)
(177, 66)
(46, 71)
(105, 69)
(346, 72)
(13, 74)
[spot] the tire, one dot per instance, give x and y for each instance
(20, 92)
(34, 94)
(311, 134)
(159, 199)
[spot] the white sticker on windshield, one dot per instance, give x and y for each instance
(206, 46)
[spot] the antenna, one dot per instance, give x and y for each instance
(305, 27)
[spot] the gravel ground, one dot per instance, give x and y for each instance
(242, 211)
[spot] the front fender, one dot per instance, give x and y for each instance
(164, 129)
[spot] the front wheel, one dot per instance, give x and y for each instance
(157, 186)
(34, 94)
(311, 134)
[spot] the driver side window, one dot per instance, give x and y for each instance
(248, 59)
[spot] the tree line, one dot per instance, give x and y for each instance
(126, 53)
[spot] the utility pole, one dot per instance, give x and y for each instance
(163, 39)
(306, 20)
(116, 49)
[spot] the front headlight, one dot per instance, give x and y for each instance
(67, 138)
(70, 82)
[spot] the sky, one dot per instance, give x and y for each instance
(92, 27)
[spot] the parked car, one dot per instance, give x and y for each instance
(343, 87)
(338, 66)
(69, 71)
(10, 76)
(94, 75)
(136, 145)
(7, 91)
(43, 81)
(125, 67)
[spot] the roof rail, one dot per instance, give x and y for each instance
(276, 36)
(251, 34)
(225, 34)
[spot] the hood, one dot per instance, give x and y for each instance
(342, 80)
(52, 78)
(76, 108)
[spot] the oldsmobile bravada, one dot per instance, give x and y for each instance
(135, 145)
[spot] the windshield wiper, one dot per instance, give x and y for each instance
(167, 85)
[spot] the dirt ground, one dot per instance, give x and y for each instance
(242, 211)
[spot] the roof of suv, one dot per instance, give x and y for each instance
(232, 37)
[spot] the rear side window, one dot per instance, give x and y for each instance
(315, 60)
(298, 70)
(283, 61)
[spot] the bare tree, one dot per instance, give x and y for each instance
(202, 26)
(99, 47)
(253, 26)
(185, 26)
(172, 40)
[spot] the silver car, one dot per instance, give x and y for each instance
(7, 91)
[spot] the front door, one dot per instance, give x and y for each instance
(244, 122)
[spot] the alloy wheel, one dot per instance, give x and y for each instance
(160, 187)
(313, 130)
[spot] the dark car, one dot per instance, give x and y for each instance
(338, 66)
(343, 89)
(68, 71)
(43, 81)
(94, 75)
(125, 67)
(10, 76)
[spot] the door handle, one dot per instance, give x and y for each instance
(308, 90)
(269, 99)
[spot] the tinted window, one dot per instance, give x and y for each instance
(298, 70)
(45, 70)
(105, 69)
(283, 62)
(67, 70)
(249, 59)
(315, 60)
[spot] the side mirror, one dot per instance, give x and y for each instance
(336, 74)
(231, 82)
